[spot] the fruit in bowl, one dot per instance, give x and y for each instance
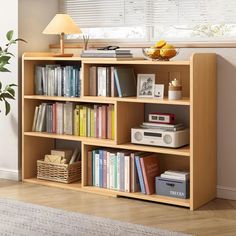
(160, 51)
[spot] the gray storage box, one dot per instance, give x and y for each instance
(172, 188)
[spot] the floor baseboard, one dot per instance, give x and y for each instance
(10, 174)
(226, 192)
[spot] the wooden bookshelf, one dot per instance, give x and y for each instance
(198, 76)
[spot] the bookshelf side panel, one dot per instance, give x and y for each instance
(203, 129)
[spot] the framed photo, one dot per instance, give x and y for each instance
(145, 85)
(159, 91)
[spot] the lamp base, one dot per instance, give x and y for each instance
(63, 55)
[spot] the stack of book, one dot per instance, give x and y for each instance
(55, 80)
(112, 81)
(176, 175)
(118, 53)
(163, 127)
(123, 170)
(81, 120)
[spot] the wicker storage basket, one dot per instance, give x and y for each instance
(64, 173)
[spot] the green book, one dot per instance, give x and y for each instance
(92, 126)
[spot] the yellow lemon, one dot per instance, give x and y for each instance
(168, 51)
(160, 44)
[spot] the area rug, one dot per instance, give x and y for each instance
(24, 219)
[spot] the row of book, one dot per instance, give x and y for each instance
(110, 81)
(70, 119)
(56, 80)
(123, 170)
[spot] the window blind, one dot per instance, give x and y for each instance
(112, 13)
(177, 12)
(105, 13)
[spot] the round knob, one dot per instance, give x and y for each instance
(138, 136)
(167, 139)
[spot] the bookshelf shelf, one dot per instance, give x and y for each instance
(70, 137)
(110, 100)
(197, 109)
(185, 101)
(183, 151)
(72, 186)
(100, 100)
(138, 195)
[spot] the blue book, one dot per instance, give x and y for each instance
(100, 168)
(140, 174)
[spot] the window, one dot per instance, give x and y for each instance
(149, 20)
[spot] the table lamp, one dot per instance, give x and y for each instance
(62, 24)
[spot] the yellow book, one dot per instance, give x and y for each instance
(76, 122)
(113, 123)
(85, 110)
(92, 134)
(81, 115)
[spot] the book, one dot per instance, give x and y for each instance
(140, 174)
(56, 80)
(90, 169)
(150, 169)
(104, 169)
(36, 111)
(134, 180)
(101, 81)
(127, 173)
(101, 168)
(97, 169)
(76, 122)
(38, 80)
(125, 81)
(42, 121)
(74, 155)
(93, 81)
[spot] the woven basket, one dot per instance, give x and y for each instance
(64, 173)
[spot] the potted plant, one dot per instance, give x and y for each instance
(8, 92)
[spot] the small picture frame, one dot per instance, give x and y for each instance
(159, 91)
(145, 85)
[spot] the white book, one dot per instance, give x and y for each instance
(59, 81)
(108, 169)
(101, 78)
(127, 173)
(112, 157)
(42, 118)
(176, 173)
(163, 125)
(60, 118)
(35, 118)
(118, 171)
(38, 118)
(68, 118)
(175, 177)
(97, 169)
(44, 81)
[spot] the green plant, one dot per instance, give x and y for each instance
(7, 93)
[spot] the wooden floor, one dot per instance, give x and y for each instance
(216, 218)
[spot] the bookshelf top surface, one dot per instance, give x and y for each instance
(47, 56)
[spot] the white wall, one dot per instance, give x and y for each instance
(9, 125)
(29, 17)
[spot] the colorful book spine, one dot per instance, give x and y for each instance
(140, 174)
(100, 168)
(127, 173)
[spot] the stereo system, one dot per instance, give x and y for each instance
(156, 137)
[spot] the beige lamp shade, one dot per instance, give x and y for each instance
(62, 23)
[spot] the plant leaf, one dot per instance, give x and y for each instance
(0, 86)
(3, 69)
(22, 40)
(7, 107)
(9, 35)
(7, 95)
